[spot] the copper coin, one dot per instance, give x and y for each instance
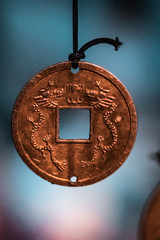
(149, 228)
(74, 162)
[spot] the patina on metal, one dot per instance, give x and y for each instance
(149, 228)
(74, 162)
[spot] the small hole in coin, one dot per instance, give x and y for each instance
(75, 70)
(73, 179)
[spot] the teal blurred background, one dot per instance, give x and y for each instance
(36, 34)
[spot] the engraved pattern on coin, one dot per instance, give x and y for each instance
(47, 147)
(47, 97)
(104, 101)
(35, 124)
(73, 89)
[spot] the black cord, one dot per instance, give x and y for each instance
(75, 26)
(116, 43)
(76, 56)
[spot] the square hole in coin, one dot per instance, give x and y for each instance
(74, 124)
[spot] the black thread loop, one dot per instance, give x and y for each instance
(76, 56)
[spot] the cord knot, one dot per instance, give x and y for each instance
(75, 58)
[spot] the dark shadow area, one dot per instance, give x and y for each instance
(130, 9)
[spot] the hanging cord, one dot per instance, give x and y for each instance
(77, 55)
(75, 26)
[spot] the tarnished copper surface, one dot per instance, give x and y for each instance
(35, 124)
(149, 228)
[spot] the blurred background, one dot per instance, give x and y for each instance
(36, 34)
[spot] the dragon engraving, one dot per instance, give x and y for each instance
(47, 98)
(101, 99)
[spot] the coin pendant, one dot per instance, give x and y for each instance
(74, 162)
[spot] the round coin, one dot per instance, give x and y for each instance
(149, 228)
(36, 124)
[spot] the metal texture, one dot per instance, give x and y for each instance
(149, 228)
(35, 124)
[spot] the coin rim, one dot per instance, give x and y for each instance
(84, 66)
